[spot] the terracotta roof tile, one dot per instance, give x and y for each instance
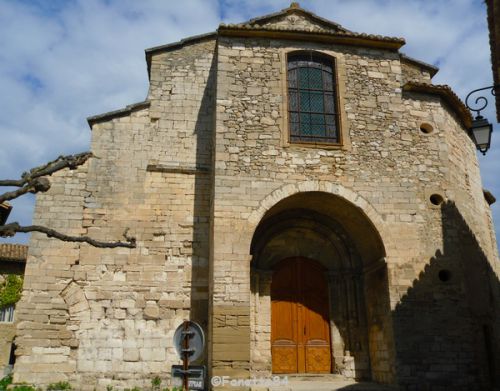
(346, 34)
(13, 252)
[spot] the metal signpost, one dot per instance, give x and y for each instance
(189, 342)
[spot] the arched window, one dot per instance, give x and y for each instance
(312, 98)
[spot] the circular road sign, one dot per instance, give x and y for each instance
(196, 340)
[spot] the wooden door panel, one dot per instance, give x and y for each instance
(284, 358)
(316, 338)
(317, 358)
(300, 332)
(284, 320)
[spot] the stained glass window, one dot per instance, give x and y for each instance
(312, 98)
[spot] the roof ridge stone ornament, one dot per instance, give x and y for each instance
(295, 8)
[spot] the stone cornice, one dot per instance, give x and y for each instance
(176, 45)
(117, 113)
(178, 169)
(312, 35)
(421, 64)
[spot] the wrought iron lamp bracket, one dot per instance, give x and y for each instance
(481, 102)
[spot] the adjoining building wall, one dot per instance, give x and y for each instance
(12, 262)
(7, 334)
(493, 7)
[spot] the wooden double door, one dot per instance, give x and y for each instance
(300, 330)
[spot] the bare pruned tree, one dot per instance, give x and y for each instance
(37, 181)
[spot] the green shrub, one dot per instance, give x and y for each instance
(5, 382)
(24, 387)
(59, 386)
(156, 383)
(11, 290)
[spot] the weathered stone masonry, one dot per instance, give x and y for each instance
(204, 176)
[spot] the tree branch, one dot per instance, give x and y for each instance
(34, 186)
(12, 228)
(35, 181)
(67, 161)
(31, 182)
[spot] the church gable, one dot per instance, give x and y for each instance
(295, 18)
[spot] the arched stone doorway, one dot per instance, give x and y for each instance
(324, 232)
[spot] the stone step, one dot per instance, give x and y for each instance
(325, 383)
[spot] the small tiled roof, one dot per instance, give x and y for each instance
(13, 252)
(448, 96)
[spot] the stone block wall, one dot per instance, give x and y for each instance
(99, 317)
(388, 162)
(45, 341)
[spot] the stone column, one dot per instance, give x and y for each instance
(261, 327)
(335, 308)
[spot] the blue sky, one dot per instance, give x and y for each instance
(64, 60)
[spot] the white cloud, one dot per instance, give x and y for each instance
(63, 61)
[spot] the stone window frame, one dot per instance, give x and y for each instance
(340, 74)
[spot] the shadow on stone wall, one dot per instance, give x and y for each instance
(204, 129)
(446, 326)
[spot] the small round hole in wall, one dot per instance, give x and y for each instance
(436, 199)
(426, 128)
(444, 275)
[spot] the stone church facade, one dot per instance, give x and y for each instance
(303, 192)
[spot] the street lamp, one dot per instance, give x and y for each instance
(481, 133)
(481, 129)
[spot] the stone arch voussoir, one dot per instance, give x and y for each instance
(288, 190)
